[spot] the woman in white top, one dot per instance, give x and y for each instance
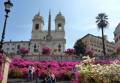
(31, 70)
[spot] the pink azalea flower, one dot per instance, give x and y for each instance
(46, 51)
(70, 51)
(24, 50)
(118, 49)
(89, 52)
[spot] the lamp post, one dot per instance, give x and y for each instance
(7, 5)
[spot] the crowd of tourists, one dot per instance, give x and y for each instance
(33, 73)
(49, 78)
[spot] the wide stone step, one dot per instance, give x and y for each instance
(25, 81)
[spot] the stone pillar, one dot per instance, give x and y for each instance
(6, 70)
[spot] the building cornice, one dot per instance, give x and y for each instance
(96, 37)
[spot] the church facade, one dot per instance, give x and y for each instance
(54, 39)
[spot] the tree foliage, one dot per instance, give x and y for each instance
(79, 47)
(101, 20)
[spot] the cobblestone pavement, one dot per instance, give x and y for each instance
(25, 81)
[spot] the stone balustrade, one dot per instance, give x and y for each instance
(52, 58)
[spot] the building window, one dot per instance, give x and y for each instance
(7, 49)
(36, 26)
(18, 52)
(116, 39)
(35, 48)
(18, 46)
(60, 26)
(44, 38)
(12, 48)
(59, 47)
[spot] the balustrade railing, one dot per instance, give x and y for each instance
(52, 58)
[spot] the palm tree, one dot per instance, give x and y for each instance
(102, 23)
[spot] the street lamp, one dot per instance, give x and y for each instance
(7, 5)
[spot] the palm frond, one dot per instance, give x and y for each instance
(97, 21)
(101, 20)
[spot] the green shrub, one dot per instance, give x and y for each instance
(16, 73)
(68, 75)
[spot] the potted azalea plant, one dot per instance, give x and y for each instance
(89, 52)
(118, 49)
(46, 51)
(23, 51)
(116, 52)
(70, 51)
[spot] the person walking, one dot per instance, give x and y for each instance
(53, 78)
(37, 76)
(75, 75)
(30, 73)
(50, 78)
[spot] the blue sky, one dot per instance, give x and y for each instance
(79, 14)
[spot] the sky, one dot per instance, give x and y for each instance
(79, 16)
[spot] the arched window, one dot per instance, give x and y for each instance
(36, 26)
(18, 46)
(59, 47)
(60, 26)
(44, 37)
(35, 48)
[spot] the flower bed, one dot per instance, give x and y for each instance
(99, 73)
(104, 71)
(62, 70)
